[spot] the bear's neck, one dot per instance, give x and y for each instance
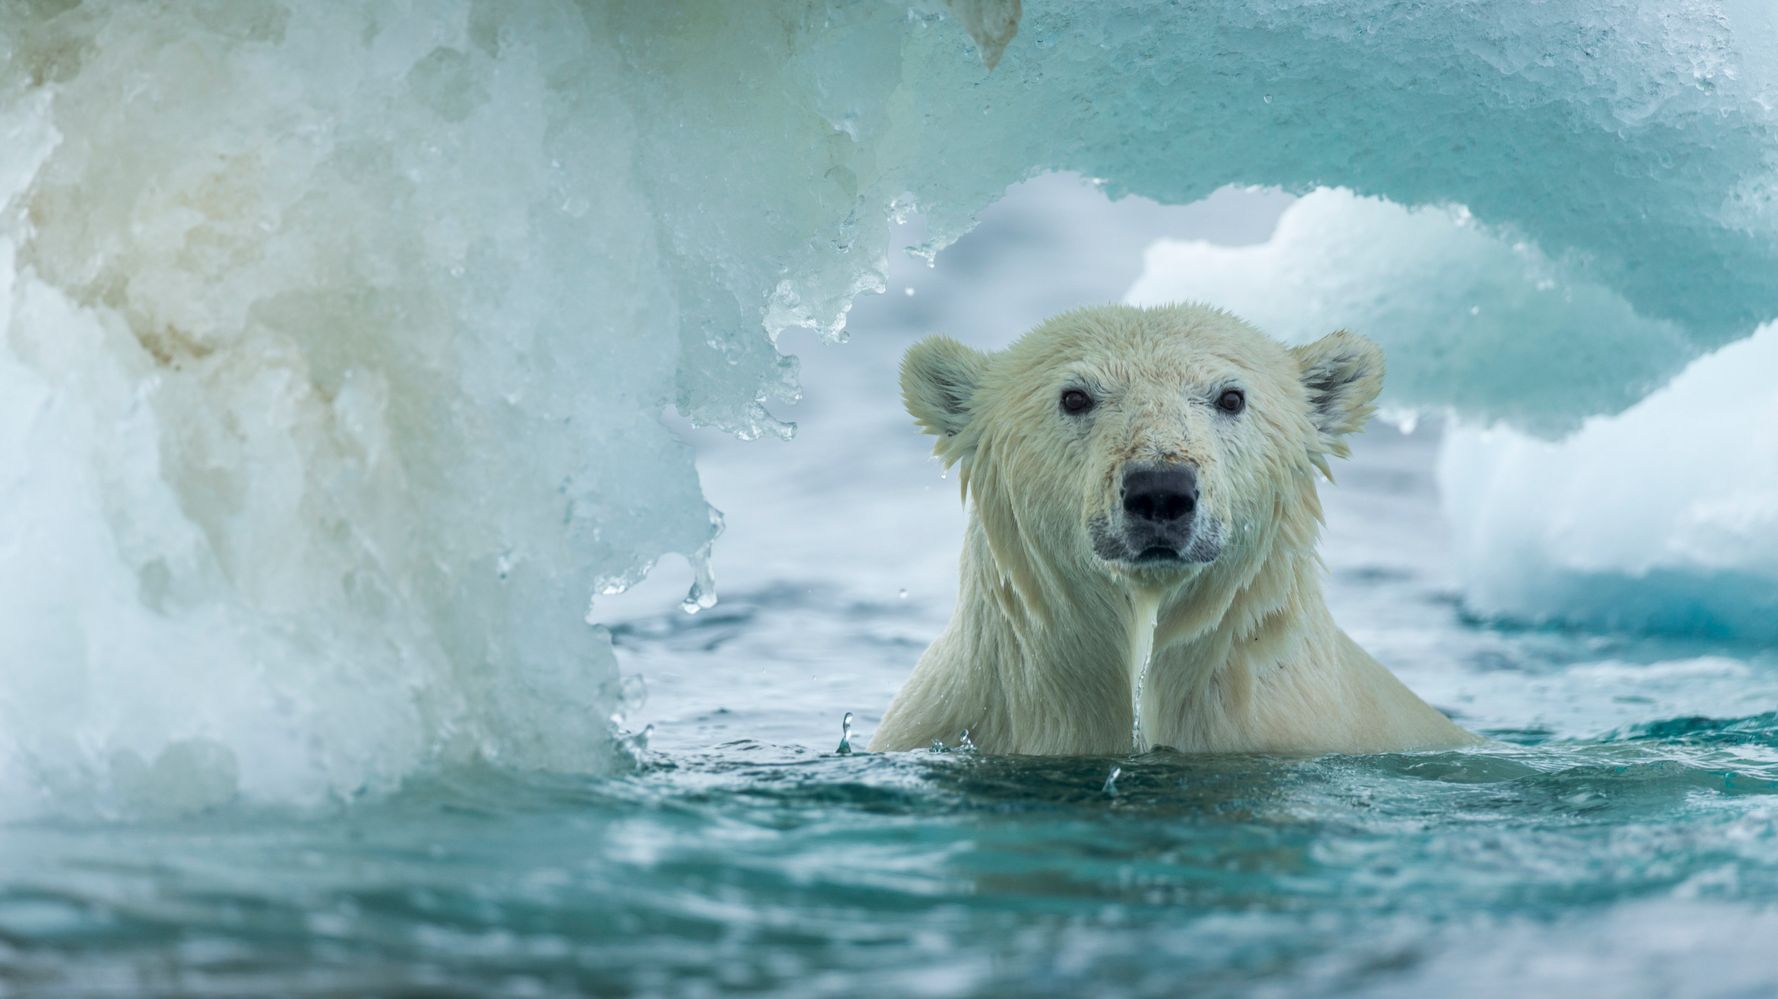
(1112, 667)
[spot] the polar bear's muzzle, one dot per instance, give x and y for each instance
(1157, 521)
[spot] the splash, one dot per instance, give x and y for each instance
(845, 746)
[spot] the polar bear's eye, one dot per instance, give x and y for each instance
(1076, 401)
(1231, 401)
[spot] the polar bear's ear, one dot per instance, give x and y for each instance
(938, 379)
(1343, 372)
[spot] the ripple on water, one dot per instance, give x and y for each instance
(752, 865)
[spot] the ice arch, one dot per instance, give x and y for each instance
(335, 333)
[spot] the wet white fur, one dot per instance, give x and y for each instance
(1044, 649)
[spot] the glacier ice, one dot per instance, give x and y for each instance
(1661, 518)
(335, 335)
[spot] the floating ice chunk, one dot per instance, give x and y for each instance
(1468, 317)
(1663, 518)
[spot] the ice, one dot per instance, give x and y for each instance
(1468, 318)
(337, 336)
(335, 343)
(1661, 518)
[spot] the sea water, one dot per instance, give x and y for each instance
(1618, 837)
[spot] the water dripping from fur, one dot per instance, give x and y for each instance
(1147, 608)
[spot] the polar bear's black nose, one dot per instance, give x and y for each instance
(1161, 494)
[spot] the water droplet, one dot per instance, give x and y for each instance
(964, 743)
(702, 595)
(938, 746)
(845, 735)
(902, 593)
(909, 292)
(1267, 98)
(1111, 781)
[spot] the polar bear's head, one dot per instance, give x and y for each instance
(1143, 442)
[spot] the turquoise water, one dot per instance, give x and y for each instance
(1636, 866)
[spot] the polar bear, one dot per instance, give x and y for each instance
(1140, 566)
